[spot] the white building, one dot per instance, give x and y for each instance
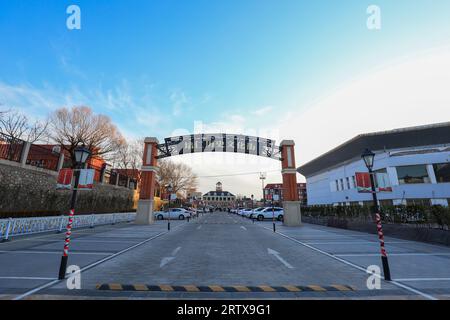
(416, 160)
(219, 198)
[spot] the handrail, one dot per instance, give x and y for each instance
(27, 226)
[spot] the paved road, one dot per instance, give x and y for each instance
(223, 256)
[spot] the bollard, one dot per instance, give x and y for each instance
(188, 218)
(168, 225)
(274, 227)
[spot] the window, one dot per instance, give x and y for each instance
(337, 185)
(342, 184)
(348, 183)
(354, 181)
(413, 174)
(442, 172)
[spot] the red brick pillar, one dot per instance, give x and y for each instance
(291, 203)
(147, 187)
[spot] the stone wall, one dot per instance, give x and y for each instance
(30, 191)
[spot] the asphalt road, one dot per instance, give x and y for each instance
(220, 255)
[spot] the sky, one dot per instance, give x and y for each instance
(308, 71)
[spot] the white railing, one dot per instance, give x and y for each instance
(26, 226)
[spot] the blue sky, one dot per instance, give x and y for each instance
(155, 66)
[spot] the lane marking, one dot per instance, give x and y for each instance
(391, 254)
(165, 261)
(26, 278)
(353, 242)
(277, 255)
(398, 284)
(174, 252)
(93, 241)
(92, 265)
(55, 252)
(243, 228)
(423, 279)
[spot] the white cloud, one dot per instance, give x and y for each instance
(413, 92)
(262, 111)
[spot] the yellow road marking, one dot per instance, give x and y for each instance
(292, 288)
(317, 288)
(166, 288)
(340, 287)
(115, 286)
(192, 288)
(241, 288)
(217, 288)
(140, 287)
(267, 289)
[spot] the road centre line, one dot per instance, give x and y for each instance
(92, 265)
(398, 284)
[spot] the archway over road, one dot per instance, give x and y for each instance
(235, 143)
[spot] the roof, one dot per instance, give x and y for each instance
(435, 134)
(280, 185)
(219, 193)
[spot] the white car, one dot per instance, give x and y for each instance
(255, 211)
(247, 212)
(242, 211)
(268, 213)
(174, 214)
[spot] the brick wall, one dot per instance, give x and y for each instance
(31, 191)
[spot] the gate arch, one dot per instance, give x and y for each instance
(195, 143)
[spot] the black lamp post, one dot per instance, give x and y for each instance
(169, 189)
(81, 155)
(368, 156)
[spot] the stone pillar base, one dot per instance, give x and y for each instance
(144, 214)
(292, 213)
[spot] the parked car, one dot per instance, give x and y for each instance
(255, 211)
(241, 211)
(174, 213)
(268, 213)
(247, 213)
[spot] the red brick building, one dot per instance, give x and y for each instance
(277, 188)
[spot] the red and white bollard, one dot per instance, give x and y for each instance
(384, 258)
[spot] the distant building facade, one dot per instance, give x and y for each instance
(277, 188)
(219, 198)
(416, 161)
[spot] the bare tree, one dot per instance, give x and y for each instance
(179, 175)
(80, 126)
(18, 126)
(129, 156)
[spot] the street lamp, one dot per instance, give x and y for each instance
(252, 200)
(169, 188)
(368, 156)
(262, 176)
(81, 155)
